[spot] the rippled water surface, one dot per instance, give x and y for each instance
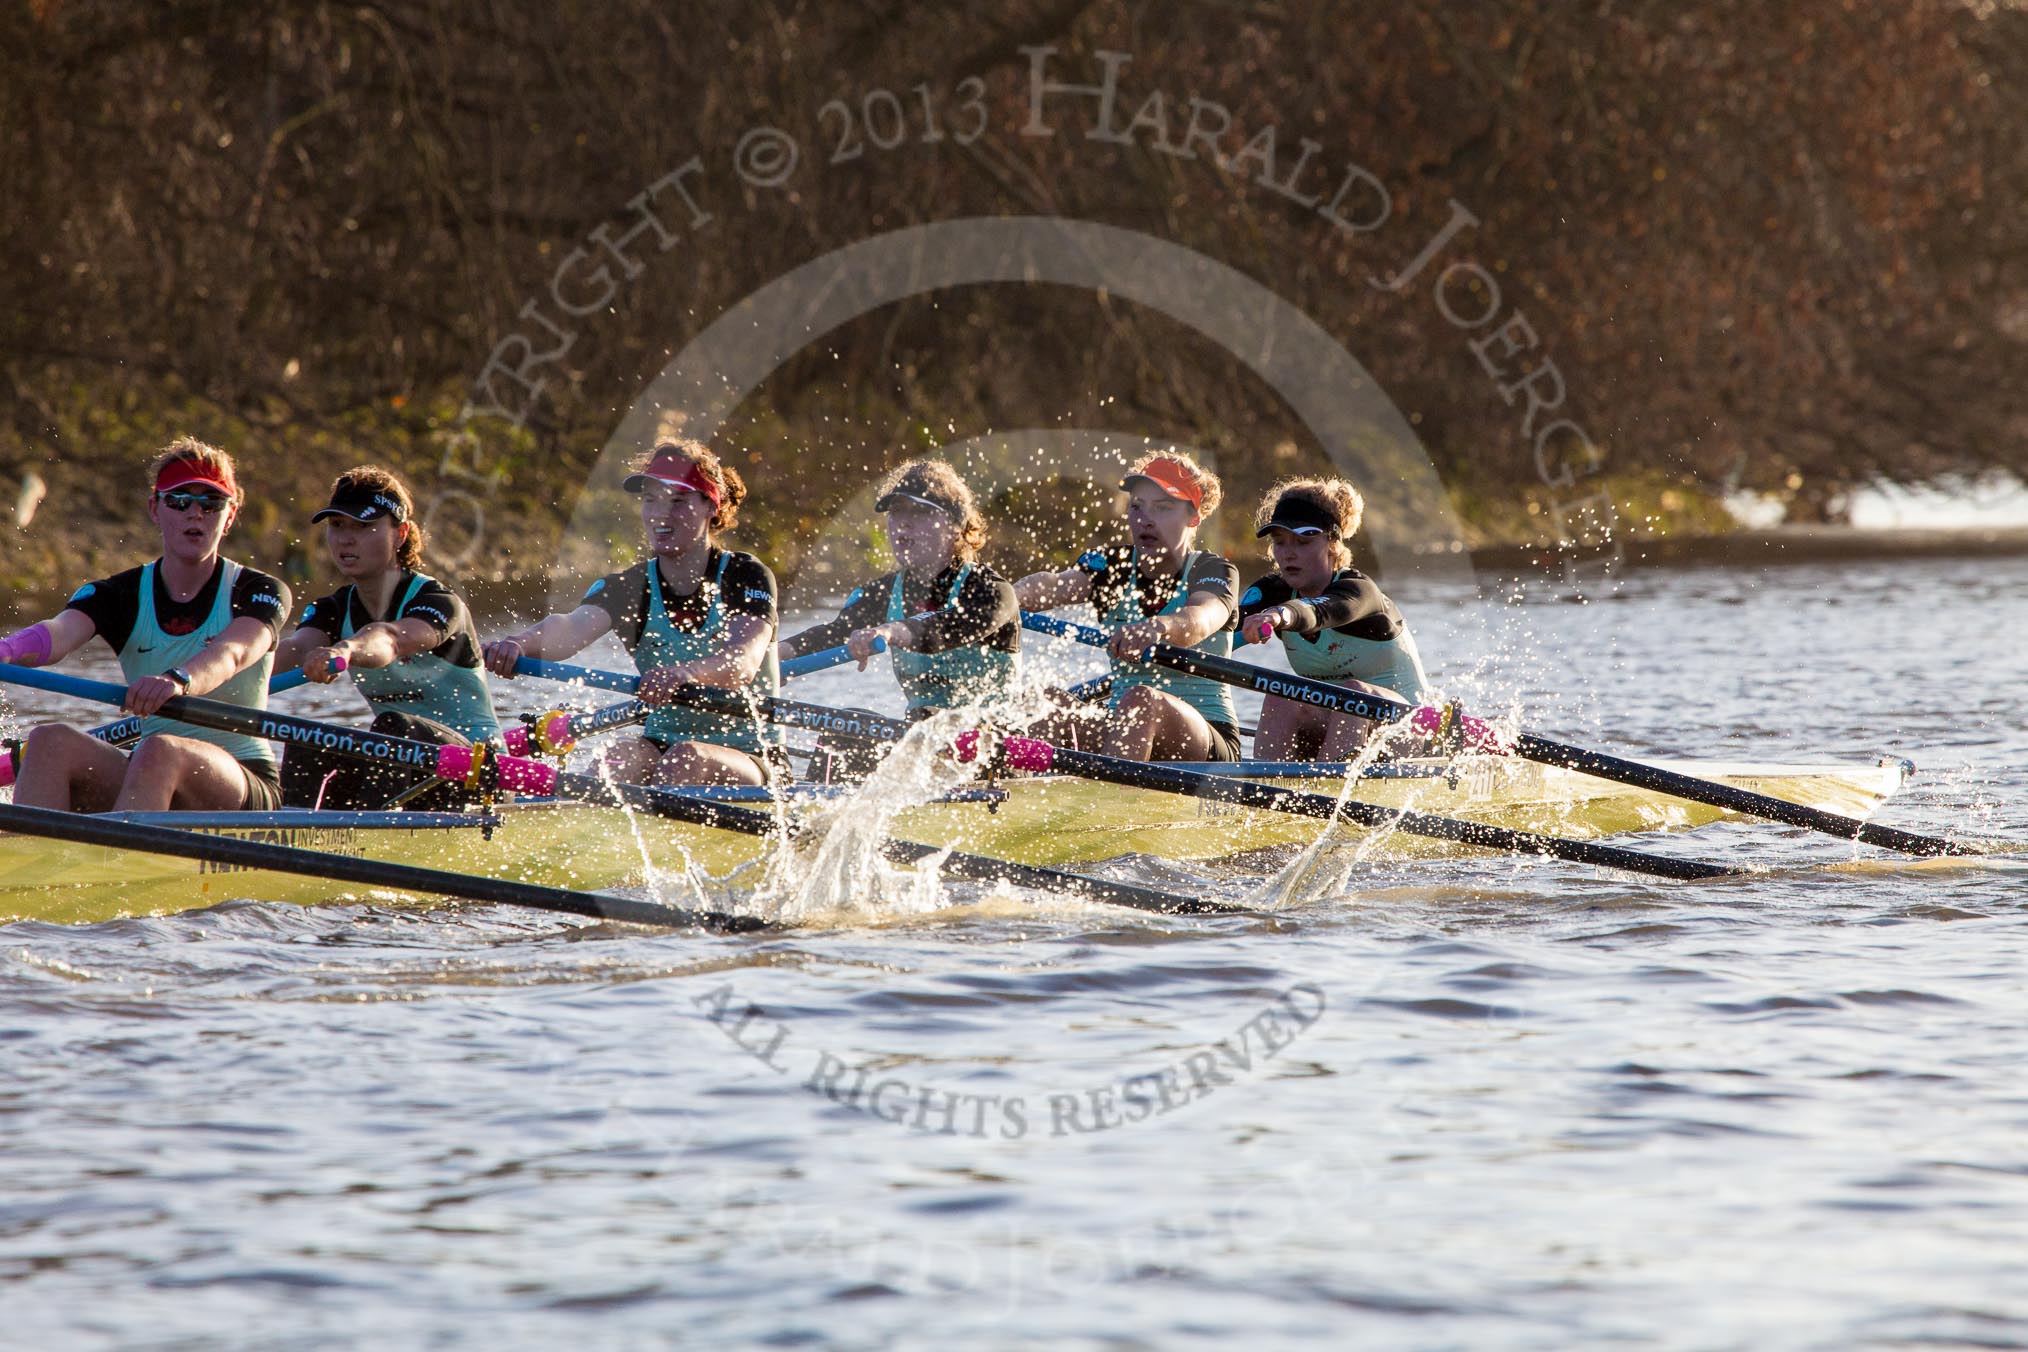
(1450, 1104)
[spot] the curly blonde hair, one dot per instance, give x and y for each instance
(1334, 497)
(937, 481)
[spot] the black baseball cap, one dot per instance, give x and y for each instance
(1301, 516)
(917, 486)
(362, 504)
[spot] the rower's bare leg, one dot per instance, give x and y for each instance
(1345, 736)
(706, 763)
(632, 760)
(1287, 730)
(1074, 724)
(183, 773)
(65, 769)
(1149, 725)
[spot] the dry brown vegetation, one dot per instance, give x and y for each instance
(1766, 243)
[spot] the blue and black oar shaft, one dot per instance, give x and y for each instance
(1028, 754)
(1341, 699)
(1025, 753)
(126, 731)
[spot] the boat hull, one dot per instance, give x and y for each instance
(1047, 820)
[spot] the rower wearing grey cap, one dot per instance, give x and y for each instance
(1334, 622)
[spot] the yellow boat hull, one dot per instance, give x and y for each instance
(1045, 821)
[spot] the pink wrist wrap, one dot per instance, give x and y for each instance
(27, 647)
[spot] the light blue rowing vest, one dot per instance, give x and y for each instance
(945, 680)
(426, 684)
(662, 644)
(249, 689)
(1330, 656)
(1213, 699)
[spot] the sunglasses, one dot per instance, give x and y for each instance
(211, 503)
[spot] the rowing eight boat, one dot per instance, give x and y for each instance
(1046, 820)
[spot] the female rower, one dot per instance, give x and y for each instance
(1157, 588)
(190, 623)
(1334, 622)
(691, 614)
(405, 638)
(962, 644)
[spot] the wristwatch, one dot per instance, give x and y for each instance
(178, 675)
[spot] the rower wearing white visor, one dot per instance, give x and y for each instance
(405, 640)
(1334, 622)
(950, 621)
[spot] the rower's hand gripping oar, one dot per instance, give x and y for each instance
(482, 767)
(1529, 747)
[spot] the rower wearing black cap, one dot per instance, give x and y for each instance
(1334, 622)
(406, 640)
(951, 622)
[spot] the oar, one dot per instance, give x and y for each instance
(1480, 735)
(85, 829)
(126, 731)
(478, 766)
(558, 731)
(824, 658)
(1026, 753)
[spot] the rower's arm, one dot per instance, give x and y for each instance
(385, 642)
(238, 646)
(1047, 591)
(732, 666)
(1348, 600)
(1200, 616)
(291, 651)
(49, 640)
(555, 637)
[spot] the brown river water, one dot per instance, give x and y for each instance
(1442, 1104)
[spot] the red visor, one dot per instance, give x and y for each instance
(187, 473)
(677, 471)
(1172, 478)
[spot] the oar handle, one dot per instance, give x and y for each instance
(542, 668)
(824, 659)
(588, 676)
(616, 680)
